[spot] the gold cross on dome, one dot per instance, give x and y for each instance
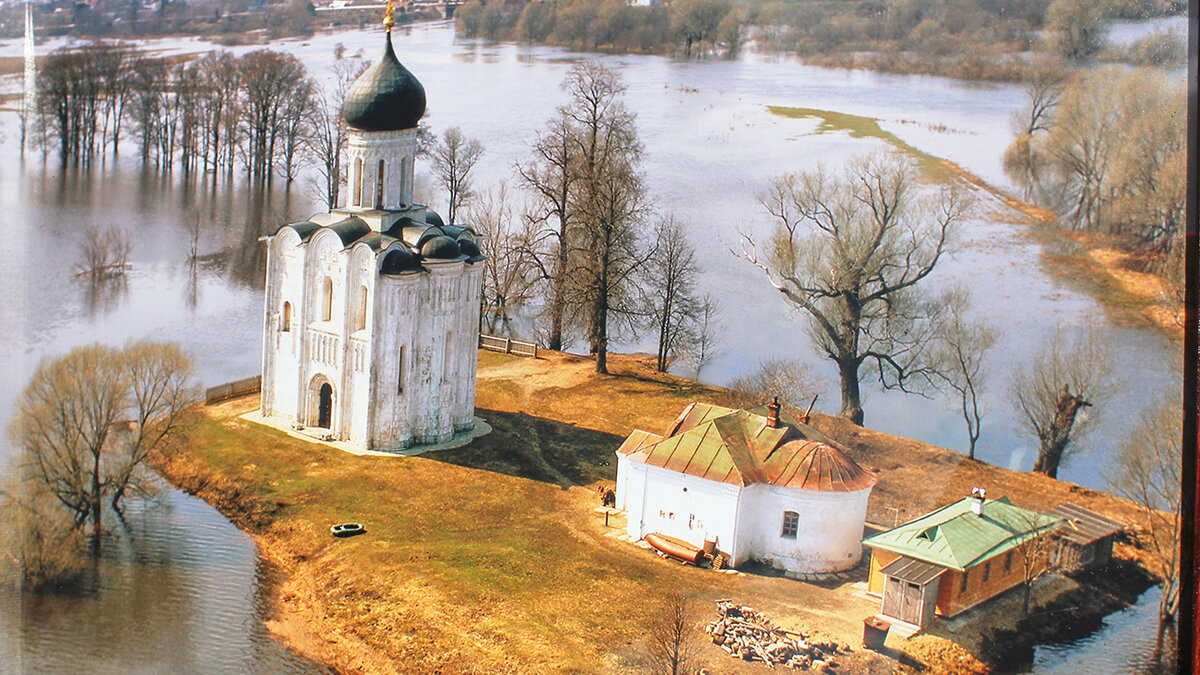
(388, 21)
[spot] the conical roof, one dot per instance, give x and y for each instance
(386, 97)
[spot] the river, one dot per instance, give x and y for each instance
(711, 146)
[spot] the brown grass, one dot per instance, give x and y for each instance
(478, 558)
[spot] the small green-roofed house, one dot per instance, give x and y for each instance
(955, 557)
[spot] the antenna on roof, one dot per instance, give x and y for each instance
(810, 407)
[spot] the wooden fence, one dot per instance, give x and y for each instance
(508, 345)
(224, 392)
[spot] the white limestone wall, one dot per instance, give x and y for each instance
(675, 504)
(281, 349)
(428, 321)
(358, 323)
(829, 532)
(364, 151)
(322, 359)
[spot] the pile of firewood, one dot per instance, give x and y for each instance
(750, 635)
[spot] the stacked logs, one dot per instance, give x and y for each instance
(749, 635)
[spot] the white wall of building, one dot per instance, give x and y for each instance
(747, 522)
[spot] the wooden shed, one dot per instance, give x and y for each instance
(1085, 539)
(910, 590)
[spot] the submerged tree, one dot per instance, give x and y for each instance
(850, 251)
(1051, 390)
(88, 421)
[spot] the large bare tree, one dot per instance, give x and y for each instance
(850, 251)
(673, 644)
(1067, 375)
(609, 203)
(88, 420)
(454, 156)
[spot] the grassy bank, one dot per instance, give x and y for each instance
(491, 557)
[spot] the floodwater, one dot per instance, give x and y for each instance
(711, 146)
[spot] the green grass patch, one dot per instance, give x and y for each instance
(934, 168)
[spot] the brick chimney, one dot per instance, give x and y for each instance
(773, 413)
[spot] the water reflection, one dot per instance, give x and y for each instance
(178, 589)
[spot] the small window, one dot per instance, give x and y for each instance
(360, 317)
(379, 187)
(327, 301)
(1008, 561)
(285, 321)
(400, 372)
(987, 570)
(962, 588)
(791, 521)
(358, 181)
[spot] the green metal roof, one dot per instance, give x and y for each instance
(955, 537)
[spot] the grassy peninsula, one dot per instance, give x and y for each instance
(491, 557)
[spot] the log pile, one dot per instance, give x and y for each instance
(750, 635)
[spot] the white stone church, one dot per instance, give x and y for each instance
(372, 310)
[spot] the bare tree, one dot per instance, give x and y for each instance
(959, 345)
(72, 422)
(329, 131)
(158, 377)
(551, 176)
(1051, 390)
(670, 284)
(1148, 473)
(849, 251)
(1078, 29)
(673, 644)
(104, 252)
(609, 203)
(510, 276)
(453, 158)
(706, 340)
(267, 80)
(1043, 87)
(1037, 552)
(792, 382)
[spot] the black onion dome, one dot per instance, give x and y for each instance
(386, 97)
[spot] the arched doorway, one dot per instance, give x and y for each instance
(319, 411)
(325, 406)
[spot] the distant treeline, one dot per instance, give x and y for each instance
(968, 39)
(228, 18)
(260, 111)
